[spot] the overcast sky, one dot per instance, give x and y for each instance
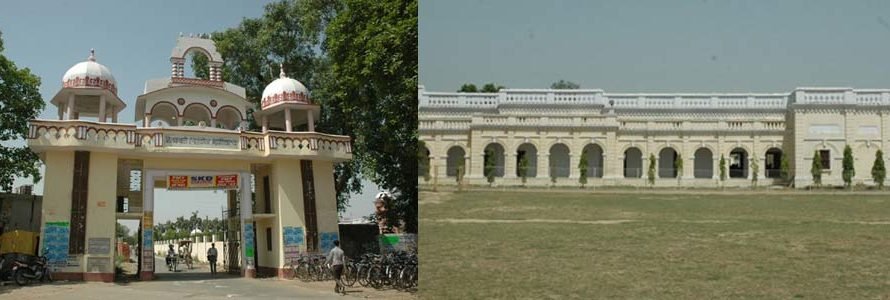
(134, 40)
(656, 46)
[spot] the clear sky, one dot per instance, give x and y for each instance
(133, 39)
(656, 46)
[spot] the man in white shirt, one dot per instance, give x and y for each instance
(336, 259)
(211, 257)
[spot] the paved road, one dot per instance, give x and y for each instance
(193, 284)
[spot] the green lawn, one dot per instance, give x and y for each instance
(667, 246)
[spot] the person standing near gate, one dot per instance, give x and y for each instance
(211, 257)
(335, 258)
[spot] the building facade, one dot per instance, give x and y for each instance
(188, 133)
(687, 134)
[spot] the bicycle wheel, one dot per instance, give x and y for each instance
(304, 272)
(349, 275)
(375, 277)
(362, 275)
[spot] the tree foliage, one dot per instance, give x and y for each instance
(468, 88)
(878, 172)
(785, 168)
(523, 169)
(359, 60)
(678, 165)
(755, 170)
(849, 171)
(489, 166)
(20, 101)
(722, 168)
(582, 167)
(651, 173)
(487, 88)
(816, 168)
(564, 85)
(423, 160)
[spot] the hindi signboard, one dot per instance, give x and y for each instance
(195, 141)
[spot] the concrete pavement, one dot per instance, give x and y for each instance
(194, 284)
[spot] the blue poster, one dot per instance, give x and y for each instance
(293, 236)
(326, 241)
(147, 238)
(248, 243)
(55, 243)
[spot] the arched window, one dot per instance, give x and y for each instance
(633, 163)
(530, 153)
(704, 163)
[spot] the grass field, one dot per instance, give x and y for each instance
(540, 244)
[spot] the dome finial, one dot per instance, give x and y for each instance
(281, 74)
(92, 54)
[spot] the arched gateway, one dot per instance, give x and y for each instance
(197, 139)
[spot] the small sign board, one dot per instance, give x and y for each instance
(100, 246)
(189, 182)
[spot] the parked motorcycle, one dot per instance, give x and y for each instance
(23, 273)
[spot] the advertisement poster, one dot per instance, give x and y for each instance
(177, 182)
(55, 243)
(227, 181)
(248, 244)
(186, 182)
(293, 238)
(201, 182)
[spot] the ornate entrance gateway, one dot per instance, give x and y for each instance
(190, 133)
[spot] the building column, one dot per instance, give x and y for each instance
(510, 165)
(287, 120)
(179, 121)
(265, 124)
(146, 120)
(113, 117)
(148, 256)
(543, 166)
(61, 111)
(213, 122)
(247, 230)
(574, 172)
(102, 114)
(311, 120)
(70, 107)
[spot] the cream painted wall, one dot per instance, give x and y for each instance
(325, 197)
(287, 195)
(57, 194)
(101, 203)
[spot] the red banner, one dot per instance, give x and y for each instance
(177, 182)
(227, 181)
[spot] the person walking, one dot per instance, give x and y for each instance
(336, 260)
(211, 257)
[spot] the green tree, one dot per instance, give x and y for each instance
(564, 85)
(200, 65)
(678, 165)
(468, 88)
(816, 168)
(359, 60)
(848, 172)
(651, 173)
(489, 167)
(123, 234)
(523, 169)
(878, 173)
(20, 101)
(755, 169)
(582, 167)
(491, 88)
(722, 169)
(785, 168)
(424, 160)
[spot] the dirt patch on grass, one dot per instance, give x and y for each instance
(506, 209)
(863, 222)
(554, 221)
(433, 198)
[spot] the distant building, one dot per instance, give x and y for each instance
(618, 132)
(25, 189)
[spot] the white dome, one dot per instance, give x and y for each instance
(284, 89)
(90, 74)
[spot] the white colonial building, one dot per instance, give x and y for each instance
(619, 131)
